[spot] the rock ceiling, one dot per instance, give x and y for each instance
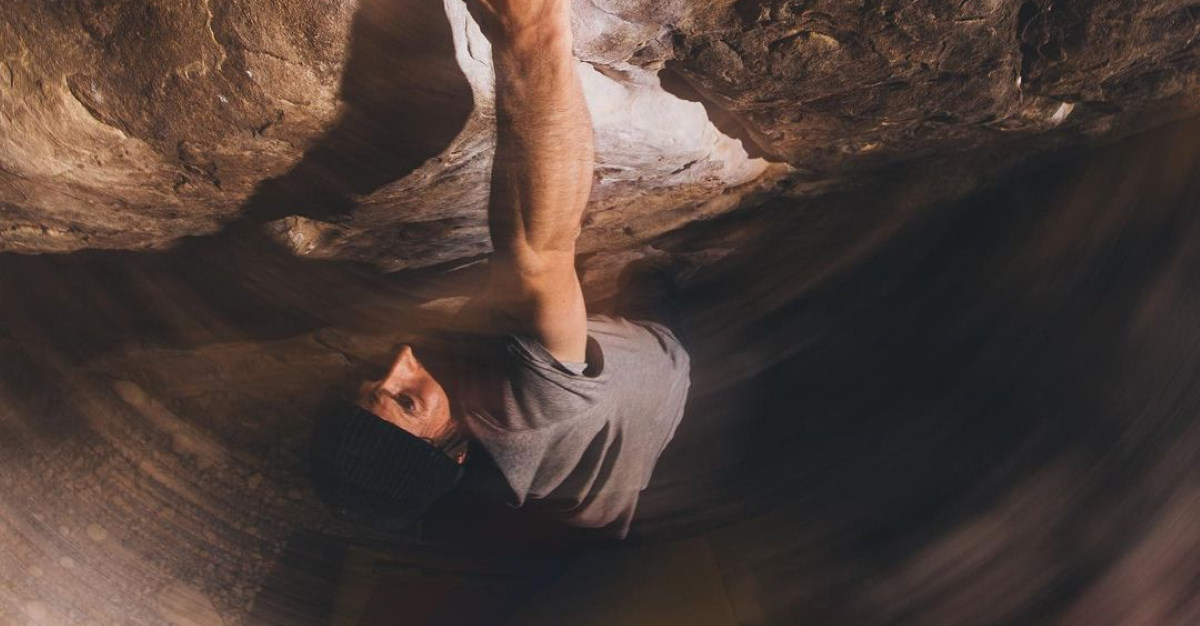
(362, 130)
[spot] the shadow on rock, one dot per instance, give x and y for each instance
(406, 100)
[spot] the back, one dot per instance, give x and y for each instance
(581, 446)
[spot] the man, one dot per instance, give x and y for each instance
(568, 412)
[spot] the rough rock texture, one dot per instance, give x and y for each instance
(130, 124)
(836, 86)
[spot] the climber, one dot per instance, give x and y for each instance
(563, 412)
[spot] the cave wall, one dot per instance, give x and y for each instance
(902, 413)
(153, 453)
(362, 130)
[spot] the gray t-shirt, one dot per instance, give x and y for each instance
(580, 446)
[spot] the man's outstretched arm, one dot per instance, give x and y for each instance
(542, 175)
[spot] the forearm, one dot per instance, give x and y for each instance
(542, 174)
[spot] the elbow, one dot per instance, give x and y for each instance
(548, 244)
(533, 264)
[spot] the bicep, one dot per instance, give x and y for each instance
(542, 295)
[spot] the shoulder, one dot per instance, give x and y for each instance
(640, 341)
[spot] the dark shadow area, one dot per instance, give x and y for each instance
(321, 579)
(406, 99)
(1025, 356)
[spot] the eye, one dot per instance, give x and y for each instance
(406, 402)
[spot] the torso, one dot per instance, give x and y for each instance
(581, 446)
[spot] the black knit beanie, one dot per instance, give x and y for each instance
(365, 465)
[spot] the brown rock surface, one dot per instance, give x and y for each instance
(133, 124)
(836, 86)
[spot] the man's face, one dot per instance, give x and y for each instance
(409, 397)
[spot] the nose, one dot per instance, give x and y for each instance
(404, 366)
